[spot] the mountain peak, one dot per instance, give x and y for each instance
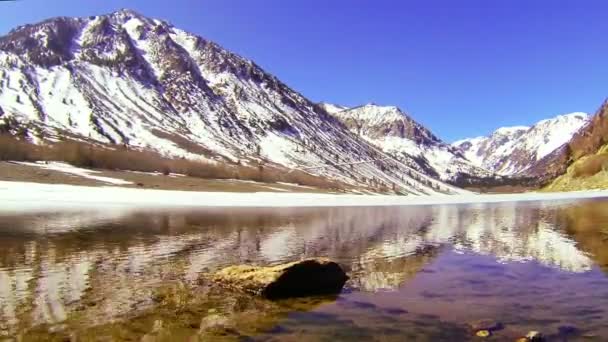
(126, 79)
(375, 114)
(512, 150)
(511, 130)
(579, 115)
(127, 12)
(383, 108)
(332, 108)
(575, 116)
(375, 122)
(399, 135)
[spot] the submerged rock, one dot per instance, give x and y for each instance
(483, 333)
(565, 330)
(486, 324)
(534, 336)
(297, 279)
(214, 323)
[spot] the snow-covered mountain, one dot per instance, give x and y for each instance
(332, 108)
(579, 164)
(126, 79)
(512, 150)
(398, 135)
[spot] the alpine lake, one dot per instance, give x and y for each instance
(417, 273)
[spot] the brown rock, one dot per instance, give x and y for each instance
(483, 333)
(535, 336)
(486, 324)
(295, 279)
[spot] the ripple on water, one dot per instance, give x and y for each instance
(416, 272)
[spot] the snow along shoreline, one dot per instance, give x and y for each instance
(31, 197)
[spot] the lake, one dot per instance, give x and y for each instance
(418, 273)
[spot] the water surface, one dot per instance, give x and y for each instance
(417, 273)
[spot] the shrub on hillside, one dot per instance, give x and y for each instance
(589, 166)
(18, 150)
(303, 178)
(201, 169)
(120, 158)
(592, 137)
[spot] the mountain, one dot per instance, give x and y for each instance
(332, 108)
(513, 150)
(129, 80)
(582, 163)
(489, 151)
(400, 136)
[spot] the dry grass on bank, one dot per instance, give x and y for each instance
(598, 181)
(120, 158)
(590, 165)
(13, 149)
(588, 172)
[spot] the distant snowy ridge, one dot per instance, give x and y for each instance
(130, 80)
(512, 150)
(332, 108)
(398, 135)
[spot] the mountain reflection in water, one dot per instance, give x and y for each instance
(52, 264)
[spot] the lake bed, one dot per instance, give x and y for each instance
(417, 272)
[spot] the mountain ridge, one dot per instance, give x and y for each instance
(127, 80)
(398, 134)
(582, 162)
(142, 83)
(513, 150)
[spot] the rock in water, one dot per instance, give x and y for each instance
(483, 333)
(486, 324)
(535, 336)
(296, 279)
(565, 330)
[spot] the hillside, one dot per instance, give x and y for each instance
(138, 83)
(400, 136)
(513, 150)
(583, 162)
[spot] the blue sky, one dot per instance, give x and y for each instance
(462, 68)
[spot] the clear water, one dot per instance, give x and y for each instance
(417, 273)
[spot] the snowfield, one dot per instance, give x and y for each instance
(67, 168)
(138, 82)
(512, 150)
(399, 135)
(24, 197)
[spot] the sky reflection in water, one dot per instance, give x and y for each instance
(530, 265)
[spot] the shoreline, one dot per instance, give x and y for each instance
(31, 197)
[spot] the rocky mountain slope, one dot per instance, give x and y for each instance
(398, 135)
(513, 150)
(129, 80)
(582, 163)
(332, 108)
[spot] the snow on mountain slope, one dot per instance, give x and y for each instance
(512, 150)
(400, 136)
(332, 108)
(126, 79)
(490, 151)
